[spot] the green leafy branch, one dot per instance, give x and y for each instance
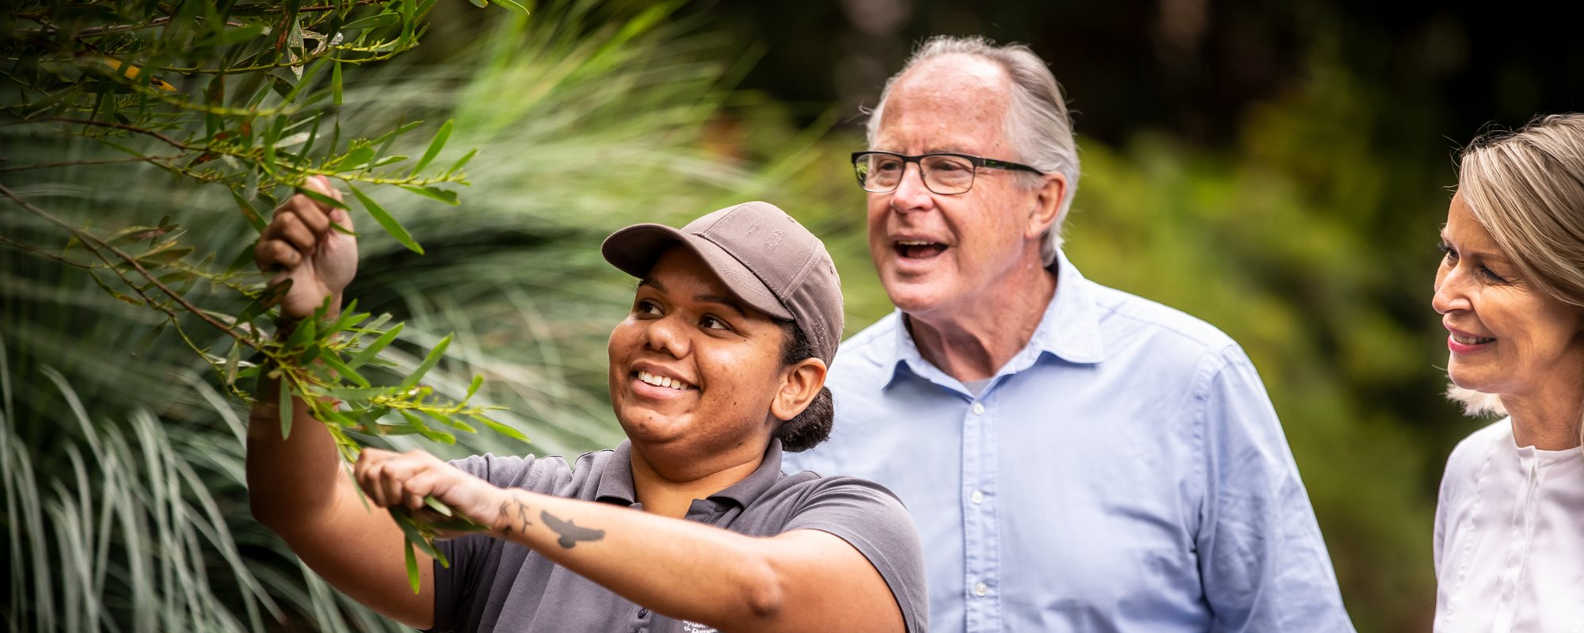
(245, 95)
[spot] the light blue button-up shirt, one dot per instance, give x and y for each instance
(1125, 471)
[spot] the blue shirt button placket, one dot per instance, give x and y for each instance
(980, 539)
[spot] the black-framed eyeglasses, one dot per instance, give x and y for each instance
(944, 173)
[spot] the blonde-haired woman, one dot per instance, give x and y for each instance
(1509, 528)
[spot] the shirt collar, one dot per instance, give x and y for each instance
(616, 480)
(1069, 329)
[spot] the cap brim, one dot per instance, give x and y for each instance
(635, 249)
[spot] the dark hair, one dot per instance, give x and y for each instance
(813, 425)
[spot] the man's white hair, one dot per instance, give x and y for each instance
(1037, 123)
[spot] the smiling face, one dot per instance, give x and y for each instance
(938, 253)
(1505, 336)
(691, 367)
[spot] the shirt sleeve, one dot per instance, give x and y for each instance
(462, 586)
(1261, 557)
(873, 521)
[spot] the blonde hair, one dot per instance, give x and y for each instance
(1526, 188)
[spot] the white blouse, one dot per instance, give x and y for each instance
(1509, 537)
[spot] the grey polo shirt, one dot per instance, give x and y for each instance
(494, 585)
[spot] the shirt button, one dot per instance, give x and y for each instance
(977, 408)
(980, 589)
(642, 613)
(977, 497)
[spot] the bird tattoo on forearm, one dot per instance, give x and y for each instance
(570, 532)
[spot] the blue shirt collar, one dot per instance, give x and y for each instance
(1069, 330)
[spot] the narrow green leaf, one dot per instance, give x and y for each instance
(164, 254)
(412, 568)
(480, 3)
(232, 360)
(310, 355)
(428, 363)
(473, 387)
(313, 135)
(389, 138)
(138, 233)
(336, 417)
(394, 429)
(355, 157)
(305, 332)
(456, 424)
(306, 79)
(285, 408)
(381, 20)
(335, 84)
(417, 424)
(329, 357)
(258, 306)
(359, 488)
(499, 428)
(515, 5)
(273, 134)
(321, 198)
(460, 163)
(228, 36)
(349, 317)
(354, 394)
(366, 354)
(377, 323)
(409, 527)
(435, 146)
(434, 193)
(385, 220)
(249, 212)
(438, 506)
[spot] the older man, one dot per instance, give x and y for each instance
(1076, 458)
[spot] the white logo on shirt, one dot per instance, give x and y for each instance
(694, 627)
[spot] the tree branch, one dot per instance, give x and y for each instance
(94, 244)
(38, 252)
(75, 163)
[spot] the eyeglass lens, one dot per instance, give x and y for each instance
(942, 174)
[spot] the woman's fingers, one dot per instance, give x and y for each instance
(311, 212)
(290, 226)
(392, 479)
(303, 221)
(272, 254)
(321, 185)
(369, 472)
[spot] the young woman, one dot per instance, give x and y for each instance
(687, 526)
(1509, 529)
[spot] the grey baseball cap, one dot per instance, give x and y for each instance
(763, 255)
